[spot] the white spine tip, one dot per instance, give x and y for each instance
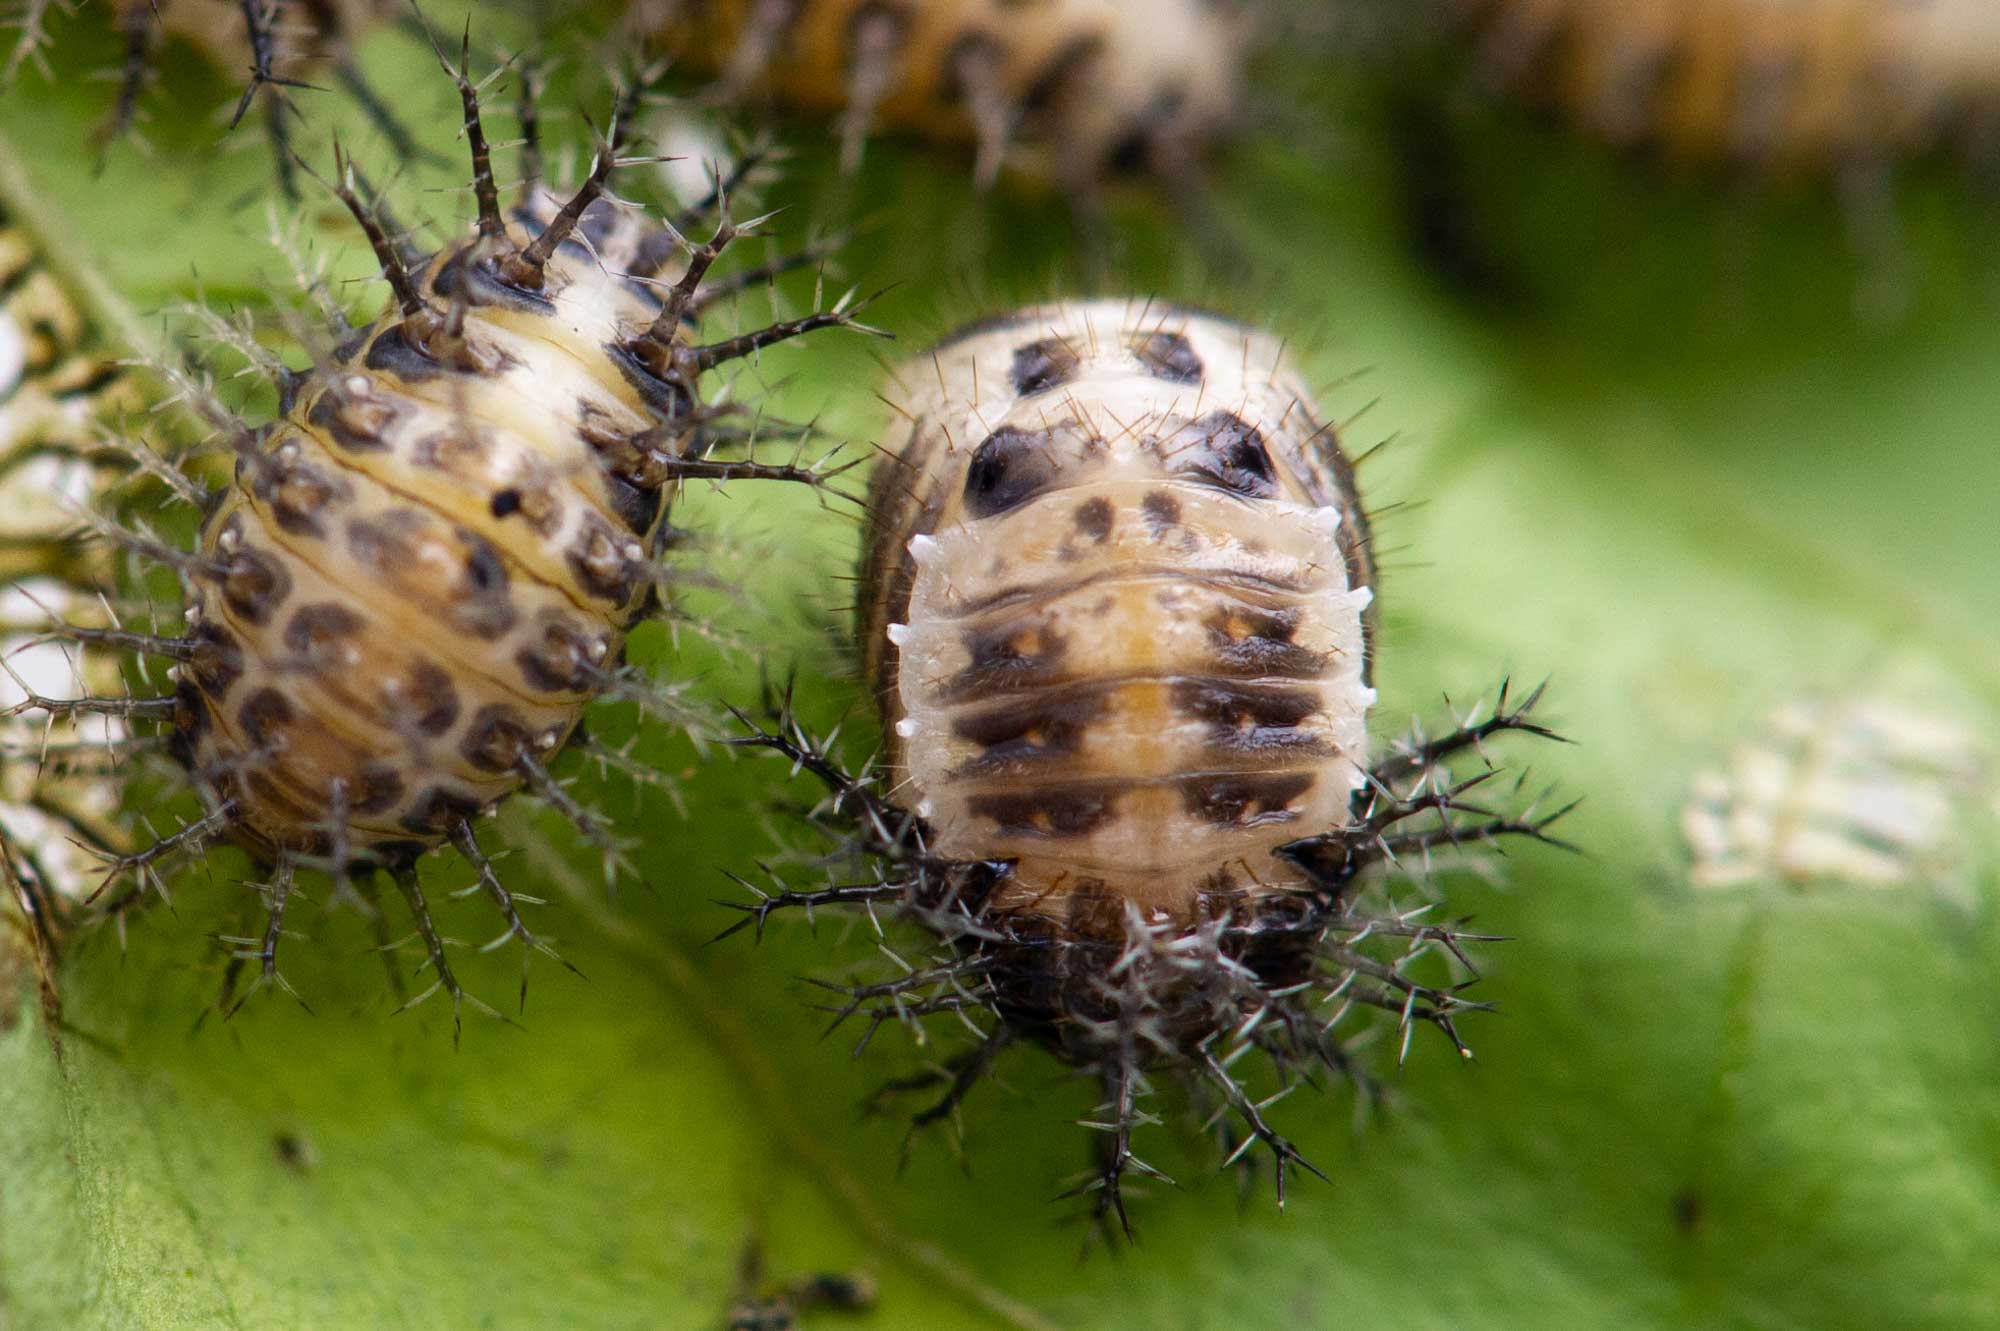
(923, 548)
(899, 634)
(907, 727)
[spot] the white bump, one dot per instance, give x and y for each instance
(1362, 597)
(357, 384)
(923, 548)
(899, 634)
(907, 727)
(926, 808)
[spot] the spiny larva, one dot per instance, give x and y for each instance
(1809, 81)
(58, 395)
(1118, 615)
(424, 571)
(281, 43)
(1086, 86)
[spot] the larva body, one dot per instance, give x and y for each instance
(422, 573)
(1807, 81)
(430, 563)
(1121, 636)
(1089, 85)
(1118, 617)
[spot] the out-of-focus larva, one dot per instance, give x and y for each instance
(58, 794)
(278, 43)
(1087, 86)
(1864, 788)
(425, 569)
(1117, 613)
(1786, 81)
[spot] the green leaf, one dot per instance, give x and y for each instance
(1674, 471)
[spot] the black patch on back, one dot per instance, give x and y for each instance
(1225, 452)
(1162, 510)
(1010, 467)
(495, 738)
(1168, 356)
(1251, 718)
(1252, 641)
(431, 696)
(255, 585)
(1007, 657)
(314, 629)
(1245, 799)
(1051, 812)
(1093, 518)
(1040, 366)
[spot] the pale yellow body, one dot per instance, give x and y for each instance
(1134, 680)
(1785, 79)
(1094, 73)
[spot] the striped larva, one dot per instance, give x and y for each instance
(1086, 86)
(1117, 612)
(1808, 82)
(423, 572)
(57, 394)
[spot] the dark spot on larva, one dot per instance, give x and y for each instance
(1686, 1209)
(401, 854)
(1070, 61)
(559, 658)
(505, 503)
(1168, 356)
(1247, 718)
(1051, 811)
(1225, 452)
(602, 563)
(217, 661)
(1093, 518)
(377, 789)
(391, 353)
(428, 696)
(1026, 732)
(495, 739)
(255, 585)
(315, 630)
(439, 809)
(1010, 467)
(1162, 510)
(462, 451)
(263, 715)
(1040, 366)
(1251, 641)
(637, 508)
(192, 720)
(484, 610)
(1092, 910)
(356, 420)
(1245, 799)
(1007, 657)
(298, 493)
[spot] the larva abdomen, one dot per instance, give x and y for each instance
(1127, 644)
(1091, 84)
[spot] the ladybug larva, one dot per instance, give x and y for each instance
(425, 569)
(56, 794)
(1815, 81)
(1087, 85)
(1118, 615)
(280, 42)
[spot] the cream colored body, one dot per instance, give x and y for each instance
(1137, 682)
(1763, 78)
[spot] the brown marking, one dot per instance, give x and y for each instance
(427, 696)
(377, 790)
(263, 716)
(1248, 718)
(357, 420)
(255, 585)
(298, 494)
(1168, 356)
(1050, 812)
(1093, 518)
(217, 661)
(1245, 799)
(1252, 642)
(600, 564)
(1225, 452)
(1010, 467)
(315, 630)
(561, 656)
(1027, 731)
(1040, 366)
(1017, 654)
(439, 809)
(1162, 511)
(495, 739)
